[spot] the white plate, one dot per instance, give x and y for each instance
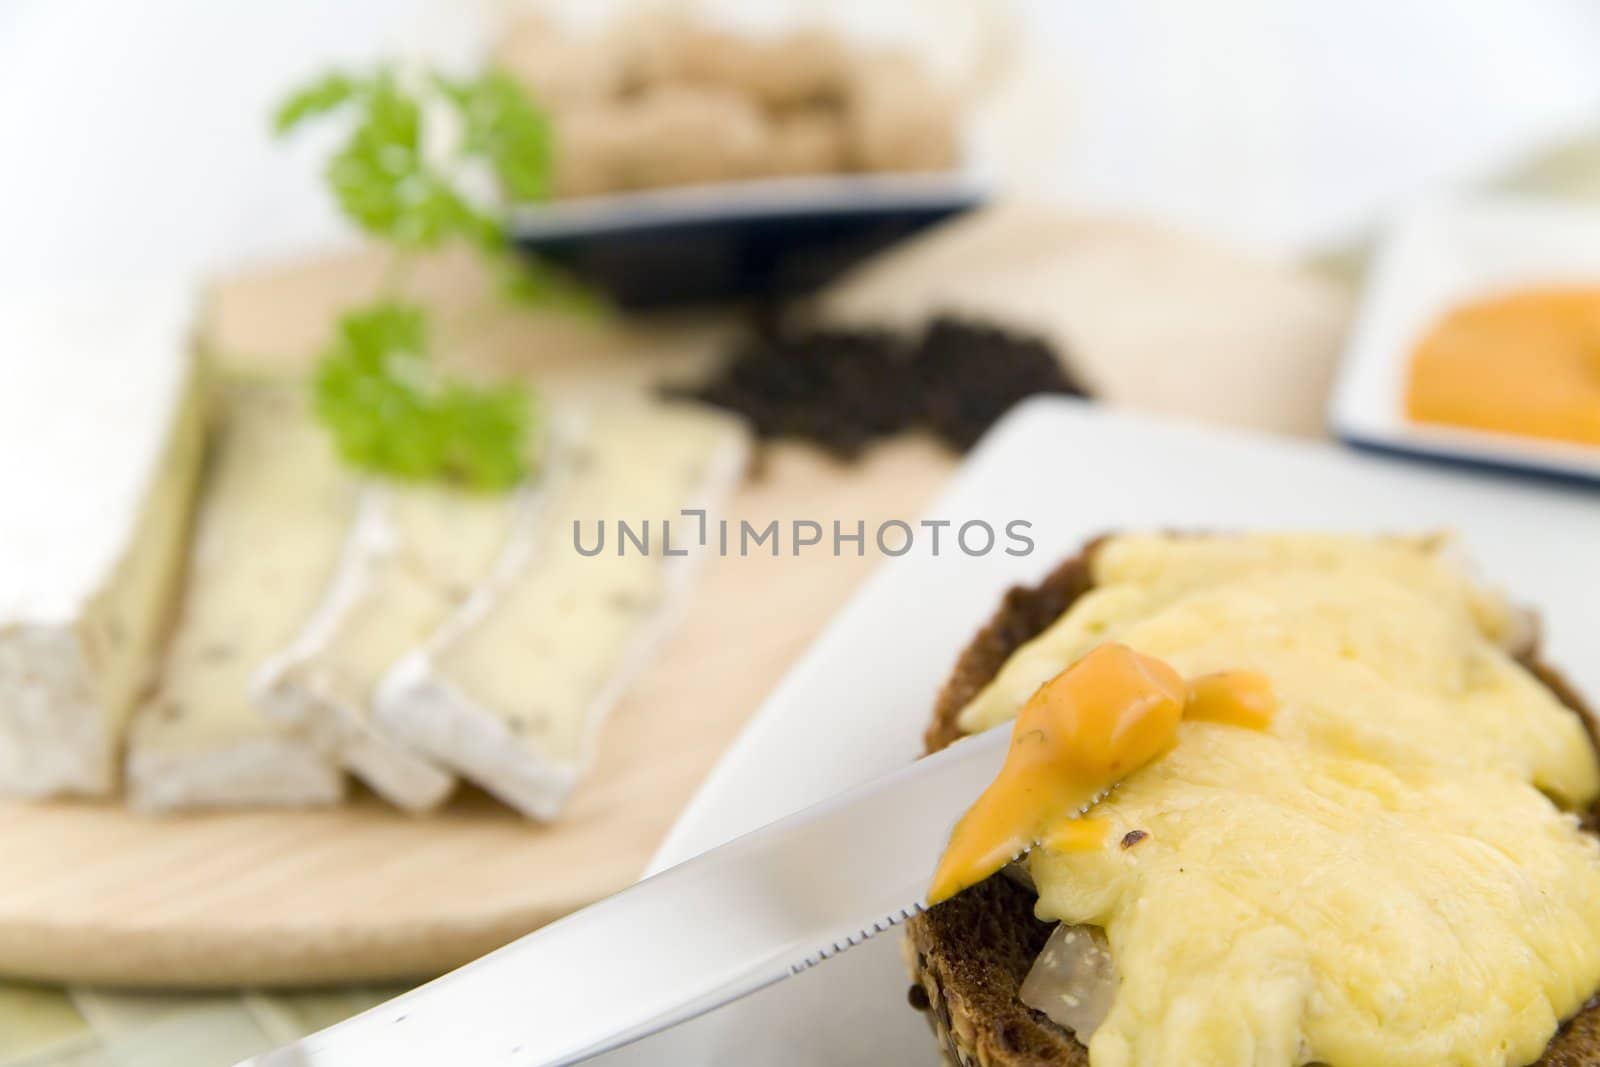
(1439, 255)
(856, 703)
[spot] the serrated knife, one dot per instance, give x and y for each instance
(714, 928)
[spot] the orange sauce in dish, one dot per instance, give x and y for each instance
(1082, 732)
(1523, 363)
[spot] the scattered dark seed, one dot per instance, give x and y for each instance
(1133, 837)
(842, 389)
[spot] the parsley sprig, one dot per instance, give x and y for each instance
(376, 389)
(383, 178)
(391, 411)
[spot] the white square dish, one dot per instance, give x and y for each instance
(1439, 255)
(855, 704)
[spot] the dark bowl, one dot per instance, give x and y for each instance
(763, 240)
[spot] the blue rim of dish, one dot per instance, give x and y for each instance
(1503, 465)
(722, 202)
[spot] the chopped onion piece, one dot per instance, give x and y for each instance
(1073, 981)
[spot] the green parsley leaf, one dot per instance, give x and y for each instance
(505, 128)
(380, 176)
(390, 411)
(327, 93)
(481, 434)
(382, 181)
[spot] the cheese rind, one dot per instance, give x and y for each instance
(512, 692)
(101, 400)
(268, 535)
(412, 557)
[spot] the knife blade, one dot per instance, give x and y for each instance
(735, 919)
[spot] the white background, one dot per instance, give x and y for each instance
(133, 135)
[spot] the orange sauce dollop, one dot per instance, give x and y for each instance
(1524, 363)
(1082, 732)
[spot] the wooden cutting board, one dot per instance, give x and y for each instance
(92, 894)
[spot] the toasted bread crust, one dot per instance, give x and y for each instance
(1025, 612)
(969, 955)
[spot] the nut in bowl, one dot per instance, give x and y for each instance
(694, 163)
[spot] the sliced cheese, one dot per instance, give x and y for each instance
(101, 420)
(271, 524)
(414, 555)
(513, 689)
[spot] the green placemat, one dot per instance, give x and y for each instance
(44, 1027)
